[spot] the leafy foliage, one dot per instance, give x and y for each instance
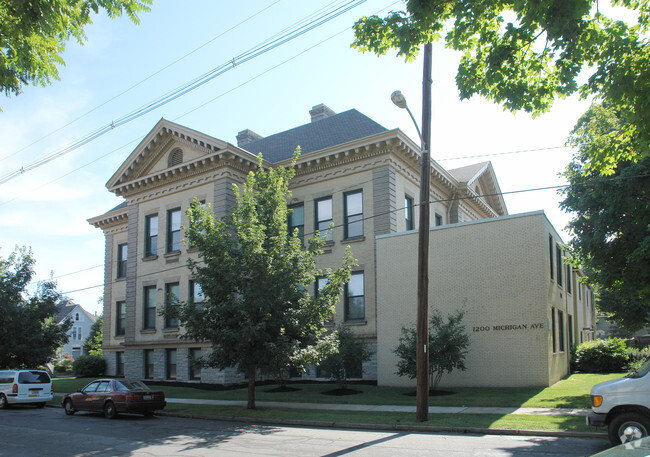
(89, 366)
(524, 55)
(637, 357)
(350, 353)
(602, 356)
(93, 344)
(611, 240)
(29, 334)
(448, 345)
(33, 35)
(257, 311)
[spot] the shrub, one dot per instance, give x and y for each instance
(602, 356)
(88, 366)
(637, 357)
(63, 366)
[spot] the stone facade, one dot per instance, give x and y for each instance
(343, 154)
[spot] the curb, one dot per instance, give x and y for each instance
(396, 427)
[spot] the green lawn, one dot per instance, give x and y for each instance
(572, 392)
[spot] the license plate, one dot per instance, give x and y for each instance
(146, 397)
(33, 395)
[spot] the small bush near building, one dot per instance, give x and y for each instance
(88, 366)
(637, 357)
(602, 356)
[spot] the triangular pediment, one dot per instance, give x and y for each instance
(168, 146)
(481, 180)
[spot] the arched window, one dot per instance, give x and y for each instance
(76, 317)
(175, 157)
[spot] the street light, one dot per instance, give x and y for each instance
(422, 328)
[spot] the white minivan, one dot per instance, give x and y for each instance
(25, 387)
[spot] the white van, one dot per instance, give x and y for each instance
(623, 405)
(25, 387)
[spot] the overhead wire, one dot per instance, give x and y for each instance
(446, 200)
(199, 81)
(169, 65)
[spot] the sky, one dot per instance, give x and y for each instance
(123, 67)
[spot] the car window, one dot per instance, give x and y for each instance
(104, 386)
(92, 387)
(642, 371)
(131, 385)
(6, 377)
(33, 377)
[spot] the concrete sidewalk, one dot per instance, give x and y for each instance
(390, 408)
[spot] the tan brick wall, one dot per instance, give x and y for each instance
(496, 270)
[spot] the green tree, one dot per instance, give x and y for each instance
(524, 55)
(29, 334)
(255, 277)
(33, 35)
(448, 345)
(93, 344)
(347, 358)
(610, 236)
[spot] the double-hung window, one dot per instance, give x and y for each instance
(149, 308)
(119, 363)
(196, 294)
(122, 254)
(170, 362)
(355, 301)
(324, 218)
(151, 235)
(174, 230)
(120, 318)
(148, 363)
(550, 254)
(408, 213)
(353, 223)
(558, 264)
(438, 219)
(171, 298)
(296, 220)
(194, 367)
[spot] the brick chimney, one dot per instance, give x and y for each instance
(247, 136)
(319, 112)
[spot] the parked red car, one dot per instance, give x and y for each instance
(113, 396)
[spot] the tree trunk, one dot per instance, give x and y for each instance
(251, 388)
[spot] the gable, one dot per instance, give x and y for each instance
(167, 146)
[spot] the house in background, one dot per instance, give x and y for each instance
(82, 321)
(352, 173)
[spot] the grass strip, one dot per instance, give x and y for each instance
(489, 421)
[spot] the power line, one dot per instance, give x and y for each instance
(242, 58)
(140, 82)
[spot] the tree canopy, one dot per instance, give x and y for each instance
(611, 239)
(29, 334)
(33, 35)
(93, 344)
(255, 277)
(526, 54)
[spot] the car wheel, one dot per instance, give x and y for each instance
(628, 427)
(67, 406)
(148, 414)
(3, 402)
(109, 410)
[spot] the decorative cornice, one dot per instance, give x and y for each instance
(112, 220)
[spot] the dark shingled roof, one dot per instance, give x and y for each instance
(334, 130)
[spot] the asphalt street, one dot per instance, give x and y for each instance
(30, 432)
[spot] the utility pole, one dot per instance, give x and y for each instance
(422, 325)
